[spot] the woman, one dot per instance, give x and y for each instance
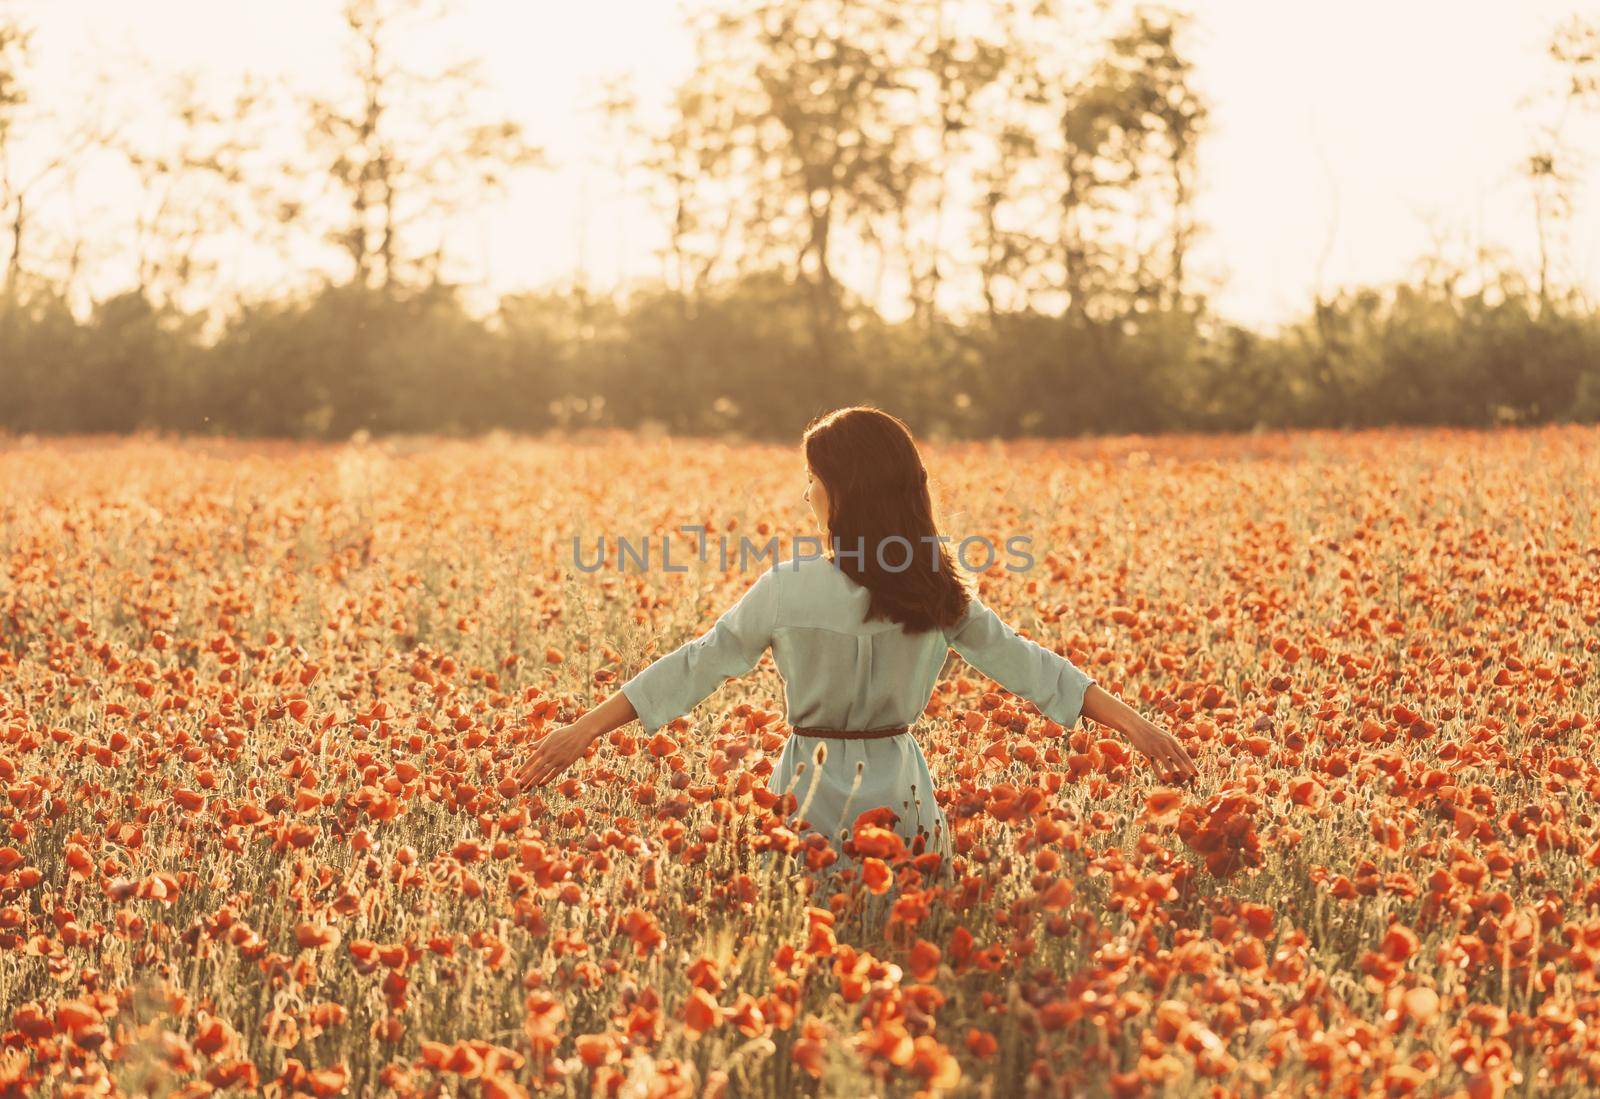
(859, 637)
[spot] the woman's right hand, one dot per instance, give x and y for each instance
(1159, 746)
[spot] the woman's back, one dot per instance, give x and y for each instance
(839, 670)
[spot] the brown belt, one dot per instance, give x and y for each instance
(852, 734)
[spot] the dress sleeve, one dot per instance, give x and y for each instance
(1025, 668)
(677, 682)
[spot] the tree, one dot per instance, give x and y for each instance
(953, 68)
(197, 186)
(803, 102)
(23, 179)
(1575, 46)
(407, 151)
(1552, 166)
(1088, 179)
(694, 176)
(1172, 117)
(1133, 122)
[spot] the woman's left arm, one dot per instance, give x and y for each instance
(671, 686)
(566, 745)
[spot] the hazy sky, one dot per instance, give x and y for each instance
(1360, 131)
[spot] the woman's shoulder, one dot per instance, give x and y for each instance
(814, 591)
(792, 575)
(802, 572)
(973, 609)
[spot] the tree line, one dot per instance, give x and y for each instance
(982, 223)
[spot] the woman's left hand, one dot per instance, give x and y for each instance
(554, 754)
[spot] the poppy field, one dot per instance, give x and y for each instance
(260, 705)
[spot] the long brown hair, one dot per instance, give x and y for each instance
(878, 492)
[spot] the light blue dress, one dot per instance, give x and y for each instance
(841, 671)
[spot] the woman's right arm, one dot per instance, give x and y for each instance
(1060, 689)
(1155, 742)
